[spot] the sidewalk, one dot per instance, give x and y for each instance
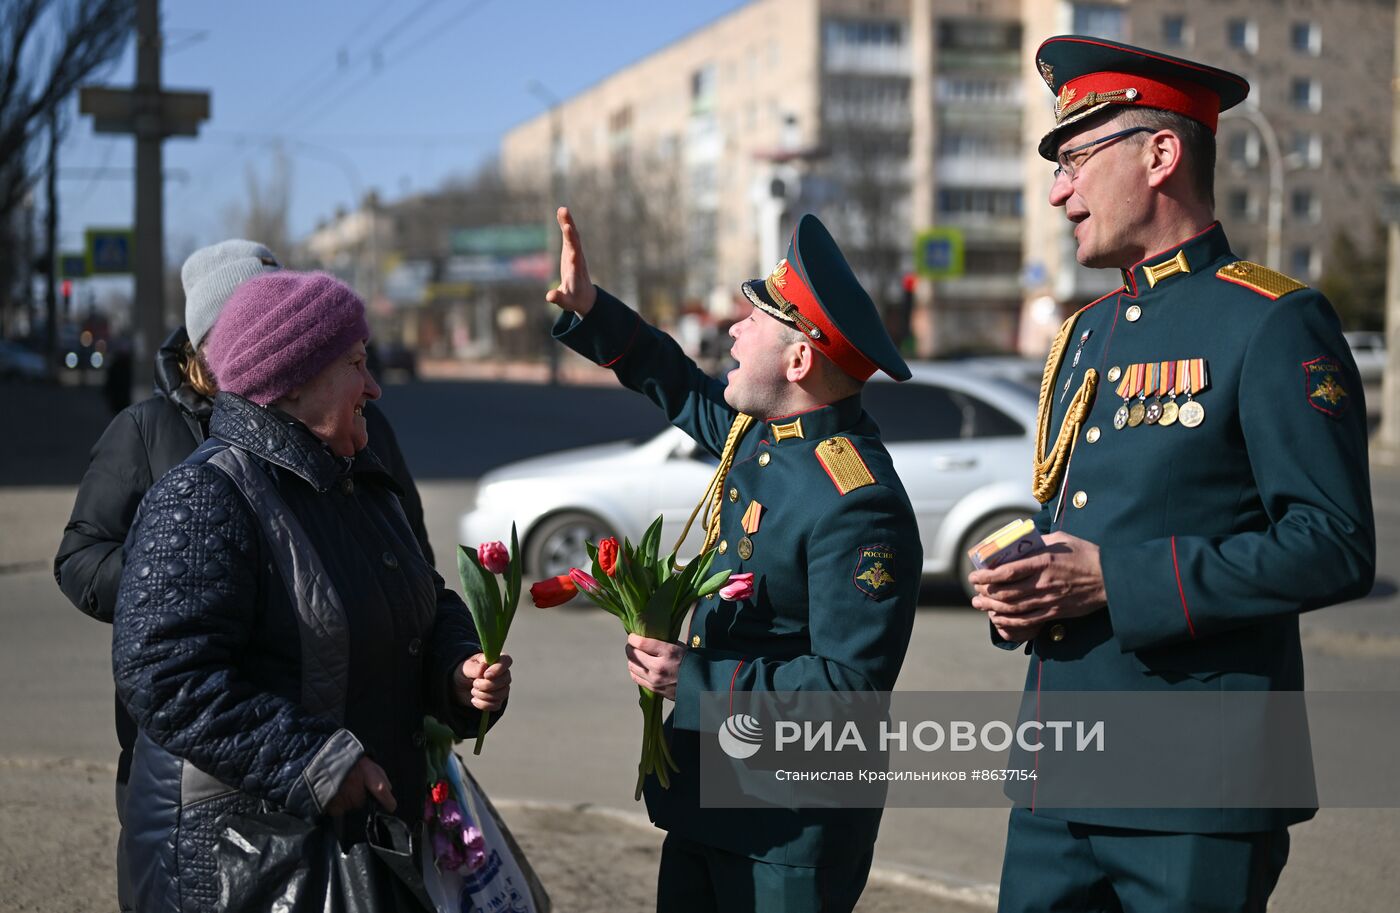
(591, 860)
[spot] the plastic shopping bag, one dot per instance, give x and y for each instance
(504, 882)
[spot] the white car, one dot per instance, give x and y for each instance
(961, 440)
(1368, 348)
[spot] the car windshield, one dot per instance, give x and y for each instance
(928, 412)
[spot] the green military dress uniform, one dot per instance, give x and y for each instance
(1228, 493)
(813, 508)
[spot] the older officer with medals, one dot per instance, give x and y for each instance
(1186, 528)
(807, 501)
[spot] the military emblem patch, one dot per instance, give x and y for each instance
(1324, 385)
(874, 575)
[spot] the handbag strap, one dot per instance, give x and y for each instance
(321, 619)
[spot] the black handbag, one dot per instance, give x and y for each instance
(272, 860)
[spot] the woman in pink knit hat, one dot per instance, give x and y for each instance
(278, 635)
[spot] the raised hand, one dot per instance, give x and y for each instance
(575, 292)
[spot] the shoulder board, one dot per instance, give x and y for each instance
(1258, 278)
(843, 464)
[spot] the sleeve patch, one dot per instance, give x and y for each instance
(1261, 279)
(1323, 385)
(874, 573)
(843, 464)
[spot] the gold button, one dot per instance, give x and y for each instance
(1057, 633)
(733, 494)
(1093, 435)
(763, 458)
(1080, 499)
(723, 546)
(1114, 373)
(1133, 314)
(695, 640)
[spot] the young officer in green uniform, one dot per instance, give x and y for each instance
(1202, 465)
(807, 501)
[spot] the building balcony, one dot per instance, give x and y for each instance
(975, 171)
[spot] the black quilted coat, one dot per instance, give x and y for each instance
(268, 633)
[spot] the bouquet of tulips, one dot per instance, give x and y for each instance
(491, 611)
(650, 595)
(457, 843)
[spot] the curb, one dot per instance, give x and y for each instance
(935, 885)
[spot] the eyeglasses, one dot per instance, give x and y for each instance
(1071, 160)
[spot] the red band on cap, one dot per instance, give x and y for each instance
(832, 344)
(1191, 99)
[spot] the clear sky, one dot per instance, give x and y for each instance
(394, 95)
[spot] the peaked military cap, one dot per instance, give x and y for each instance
(1088, 75)
(814, 290)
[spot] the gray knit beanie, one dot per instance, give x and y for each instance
(212, 273)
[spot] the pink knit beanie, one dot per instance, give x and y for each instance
(279, 330)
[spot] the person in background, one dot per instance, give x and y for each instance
(147, 439)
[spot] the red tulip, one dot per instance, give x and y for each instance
(547, 594)
(607, 555)
(493, 557)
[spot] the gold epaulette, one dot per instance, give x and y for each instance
(1272, 285)
(848, 471)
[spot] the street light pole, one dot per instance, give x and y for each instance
(149, 252)
(1274, 217)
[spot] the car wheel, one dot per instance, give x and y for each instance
(981, 530)
(557, 544)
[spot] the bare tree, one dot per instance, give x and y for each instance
(48, 48)
(263, 213)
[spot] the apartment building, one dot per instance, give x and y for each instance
(888, 117)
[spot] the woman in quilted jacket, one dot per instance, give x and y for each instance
(278, 635)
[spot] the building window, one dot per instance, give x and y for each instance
(1306, 94)
(1306, 151)
(1307, 38)
(1242, 206)
(1302, 262)
(1174, 34)
(1242, 149)
(702, 90)
(1101, 20)
(978, 35)
(1242, 34)
(1305, 205)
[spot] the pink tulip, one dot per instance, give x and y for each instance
(584, 581)
(740, 586)
(493, 557)
(449, 856)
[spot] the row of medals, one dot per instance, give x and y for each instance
(1190, 413)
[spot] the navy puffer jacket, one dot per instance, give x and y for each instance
(268, 633)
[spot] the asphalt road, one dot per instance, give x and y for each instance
(571, 736)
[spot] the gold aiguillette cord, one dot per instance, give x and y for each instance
(1049, 467)
(714, 492)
